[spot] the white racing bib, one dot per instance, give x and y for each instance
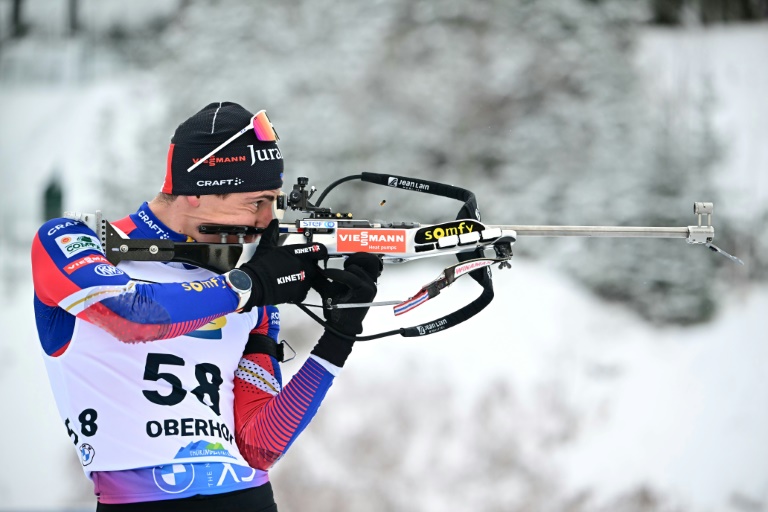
(134, 405)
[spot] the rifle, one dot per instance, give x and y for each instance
(394, 242)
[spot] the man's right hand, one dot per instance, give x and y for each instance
(355, 284)
(281, 274)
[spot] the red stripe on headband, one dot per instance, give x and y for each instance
(168, 183)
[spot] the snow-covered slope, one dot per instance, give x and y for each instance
(549, 396)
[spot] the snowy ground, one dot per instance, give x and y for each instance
(684, 411)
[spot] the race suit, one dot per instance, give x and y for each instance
(147, 369)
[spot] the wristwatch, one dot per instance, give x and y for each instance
(240, 282)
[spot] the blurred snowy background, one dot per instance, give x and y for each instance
(607, 375)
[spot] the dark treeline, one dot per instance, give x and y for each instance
(676, 12)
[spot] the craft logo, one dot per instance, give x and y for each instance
(211, 330)
(87, 260)
(86, 454)
(371, 240)
(460, 270)
(174, 478)
(106, 270)
(407, 184)
(217, 183)
(291, 278)
(152, 224)
(305, 250)
(75, 244)
(62, 226)
(433, 233)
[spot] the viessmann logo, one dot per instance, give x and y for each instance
(371, 240)
(87, 260)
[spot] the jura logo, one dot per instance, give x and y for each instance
(264, 154)
(291, 278)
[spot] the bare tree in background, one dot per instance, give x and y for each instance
(18, 27)
(72, 17)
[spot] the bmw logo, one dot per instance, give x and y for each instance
(174, 478)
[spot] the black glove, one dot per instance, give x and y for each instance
(356, 283)
(281, 274)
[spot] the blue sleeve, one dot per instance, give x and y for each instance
(70, 272)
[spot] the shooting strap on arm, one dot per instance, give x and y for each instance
(262, 344)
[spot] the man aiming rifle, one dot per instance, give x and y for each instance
(166, 375)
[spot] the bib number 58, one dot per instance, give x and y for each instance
(208, 378)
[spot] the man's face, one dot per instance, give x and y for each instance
(242, 209)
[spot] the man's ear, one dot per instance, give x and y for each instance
(193, 201)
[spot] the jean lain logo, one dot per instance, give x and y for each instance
(392, 182)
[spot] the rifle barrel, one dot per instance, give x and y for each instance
(600, 231)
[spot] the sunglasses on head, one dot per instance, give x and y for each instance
(261, 126)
